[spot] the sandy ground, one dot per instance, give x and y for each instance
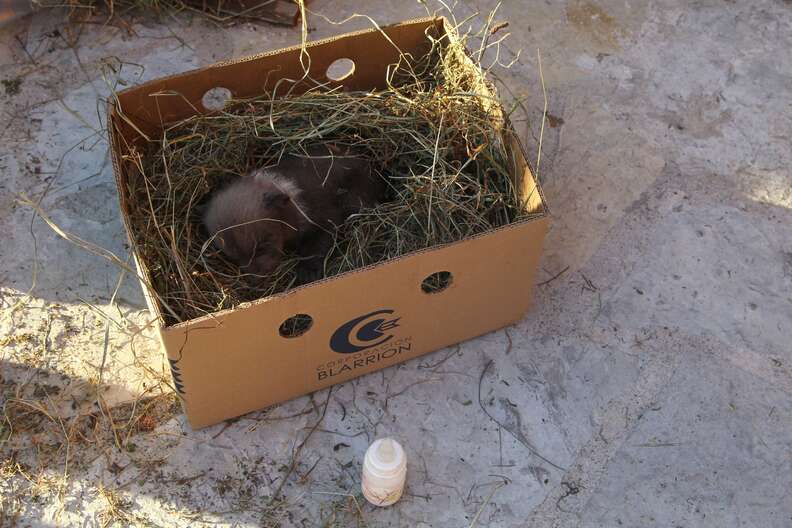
(650, 386)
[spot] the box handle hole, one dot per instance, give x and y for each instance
(340, 69)
(216, 98)
(296, 325)
(437, 282)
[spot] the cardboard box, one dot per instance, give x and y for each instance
(235, 361)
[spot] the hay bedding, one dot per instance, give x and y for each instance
(434, 134)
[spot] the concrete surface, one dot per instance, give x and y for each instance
(650, 386)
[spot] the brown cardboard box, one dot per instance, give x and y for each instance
(235, 361)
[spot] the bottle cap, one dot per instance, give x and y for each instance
(384, 472)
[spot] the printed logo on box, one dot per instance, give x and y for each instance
(176, 374)
(364, 332)
(363, 342)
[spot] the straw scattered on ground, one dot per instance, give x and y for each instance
(435, 134)
(278, 12)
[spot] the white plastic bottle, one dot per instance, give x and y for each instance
(384, 472)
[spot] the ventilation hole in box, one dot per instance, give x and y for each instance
(216, 98)
(437, 282)
(340, 69)
(296, 325)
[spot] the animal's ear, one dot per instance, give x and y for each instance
(275, 199)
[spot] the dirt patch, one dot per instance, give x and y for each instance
(594, 20)
(12, 86)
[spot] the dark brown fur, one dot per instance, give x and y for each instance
(293, 207)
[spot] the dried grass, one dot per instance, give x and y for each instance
(434, 133)
(278, 12)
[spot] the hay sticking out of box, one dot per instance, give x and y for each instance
(435, 134)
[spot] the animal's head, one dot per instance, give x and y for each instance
(251, 221)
